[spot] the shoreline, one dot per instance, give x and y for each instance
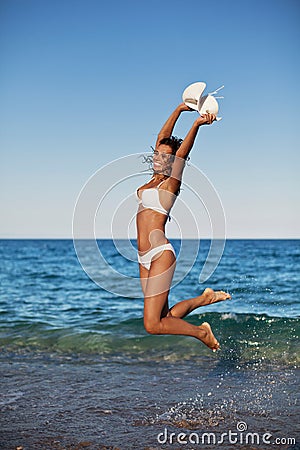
(67, 403)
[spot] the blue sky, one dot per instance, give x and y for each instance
(85, 82)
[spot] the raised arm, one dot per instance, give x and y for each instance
(188, 142)
(185, 148)
(168, 127)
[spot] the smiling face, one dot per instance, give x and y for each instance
(162, 159)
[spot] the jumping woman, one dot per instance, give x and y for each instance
(156, 254)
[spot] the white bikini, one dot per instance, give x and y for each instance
(150, 200)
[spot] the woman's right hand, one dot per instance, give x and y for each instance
(183, 107)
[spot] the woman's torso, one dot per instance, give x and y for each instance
(155, 202)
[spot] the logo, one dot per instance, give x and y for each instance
(104, 225)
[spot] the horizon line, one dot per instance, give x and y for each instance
(134, 238)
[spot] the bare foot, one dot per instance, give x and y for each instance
(208, 338)
(210, 296)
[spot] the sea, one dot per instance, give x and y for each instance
(78, 370)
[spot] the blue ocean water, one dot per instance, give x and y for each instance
(49, 304)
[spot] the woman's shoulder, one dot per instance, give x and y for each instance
(146, 185)
(172, 185)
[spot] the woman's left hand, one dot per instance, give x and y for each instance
(206, 119)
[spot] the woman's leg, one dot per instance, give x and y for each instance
(208, 297)
(183, 308)
(156, 304)
(144, 273)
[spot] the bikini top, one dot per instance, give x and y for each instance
(150, 199)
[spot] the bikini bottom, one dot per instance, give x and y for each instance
(146, 259)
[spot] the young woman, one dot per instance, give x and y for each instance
(156, 254)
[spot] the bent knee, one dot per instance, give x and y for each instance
(152, 327)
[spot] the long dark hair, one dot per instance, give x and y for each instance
(173, 141)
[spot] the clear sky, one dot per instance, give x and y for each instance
(84, 82)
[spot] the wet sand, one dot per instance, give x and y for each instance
(64, 402)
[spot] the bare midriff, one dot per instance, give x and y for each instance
(150, 229)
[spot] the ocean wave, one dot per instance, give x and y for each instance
(244, 338)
